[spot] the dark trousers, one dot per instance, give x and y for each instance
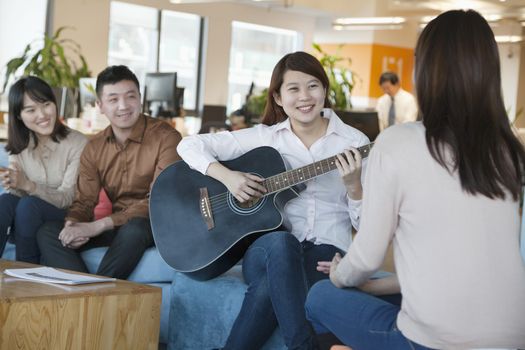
(279, 270)
(25, 215)
(127, 244)
(360, 320)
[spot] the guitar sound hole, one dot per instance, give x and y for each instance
(248, 204)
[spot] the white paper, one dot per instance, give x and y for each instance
(51, 275)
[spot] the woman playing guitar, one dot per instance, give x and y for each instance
(279, 267)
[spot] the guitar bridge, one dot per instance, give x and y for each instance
(205, 208)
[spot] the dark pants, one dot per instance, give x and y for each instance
(279, 271)
(25, 215)
(127, 244)
(360, 320)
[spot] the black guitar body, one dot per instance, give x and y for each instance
(181, 233)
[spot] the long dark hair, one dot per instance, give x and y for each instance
(458, 85)
(18, 134)
(297, 61)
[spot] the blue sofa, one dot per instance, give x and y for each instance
(202, 313)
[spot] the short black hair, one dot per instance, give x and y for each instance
(389, 76)
(17, 132)
(114, 74)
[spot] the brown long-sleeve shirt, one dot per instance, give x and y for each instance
(126, 172)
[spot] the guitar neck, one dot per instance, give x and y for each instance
(294, 177)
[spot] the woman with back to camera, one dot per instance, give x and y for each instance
(447, 191)
(44, 156)
(280, 266)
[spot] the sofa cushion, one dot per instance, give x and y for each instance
(4, 161)
(9, 251)
(202, 313)
(104, 206)
(150, 269)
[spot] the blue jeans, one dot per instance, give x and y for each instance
(278, 270)
(359, 320)
(25, 215)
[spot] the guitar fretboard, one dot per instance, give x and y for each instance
(293, 177)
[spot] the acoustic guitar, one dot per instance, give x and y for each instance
(200, 229)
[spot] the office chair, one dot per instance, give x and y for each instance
(365, 121)
(213, 117)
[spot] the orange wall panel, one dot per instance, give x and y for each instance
(399, 60)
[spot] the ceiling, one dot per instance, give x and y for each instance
(407, 8)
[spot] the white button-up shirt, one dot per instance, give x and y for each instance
(322, 213)
(405, 106)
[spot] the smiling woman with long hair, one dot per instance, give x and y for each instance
(44, 156)
(280, 266)
(445, 191)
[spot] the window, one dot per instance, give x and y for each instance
(150, 40)
(133, 38)
(254, 52)
(179, 51)
(21, 22)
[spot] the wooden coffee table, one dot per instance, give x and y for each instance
(114, 315)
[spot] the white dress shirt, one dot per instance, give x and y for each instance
(53, 167)
(405, 106)
(323, 213)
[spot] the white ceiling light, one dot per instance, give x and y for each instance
(508, 38)
(493, 17)
(368, 23)
(369, 20)
(488, 18)
(426, 19)
(367, 27)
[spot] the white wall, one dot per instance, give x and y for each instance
(16, 31)
(510, 57)
(521, 89)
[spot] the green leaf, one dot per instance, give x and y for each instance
(54, 62)
(342, 80)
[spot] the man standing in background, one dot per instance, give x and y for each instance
(396, 105)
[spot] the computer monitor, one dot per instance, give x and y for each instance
(162, 98)
(365, 121)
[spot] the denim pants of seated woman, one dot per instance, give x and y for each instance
(359, 320)
(25, 214)
(279, 271)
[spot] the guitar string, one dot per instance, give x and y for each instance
(220, 201)
(217, 201)
(290, 171)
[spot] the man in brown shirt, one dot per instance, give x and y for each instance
(124, 159)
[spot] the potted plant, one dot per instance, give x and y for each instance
(255, 106)
(53, 63)
(342, 80)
